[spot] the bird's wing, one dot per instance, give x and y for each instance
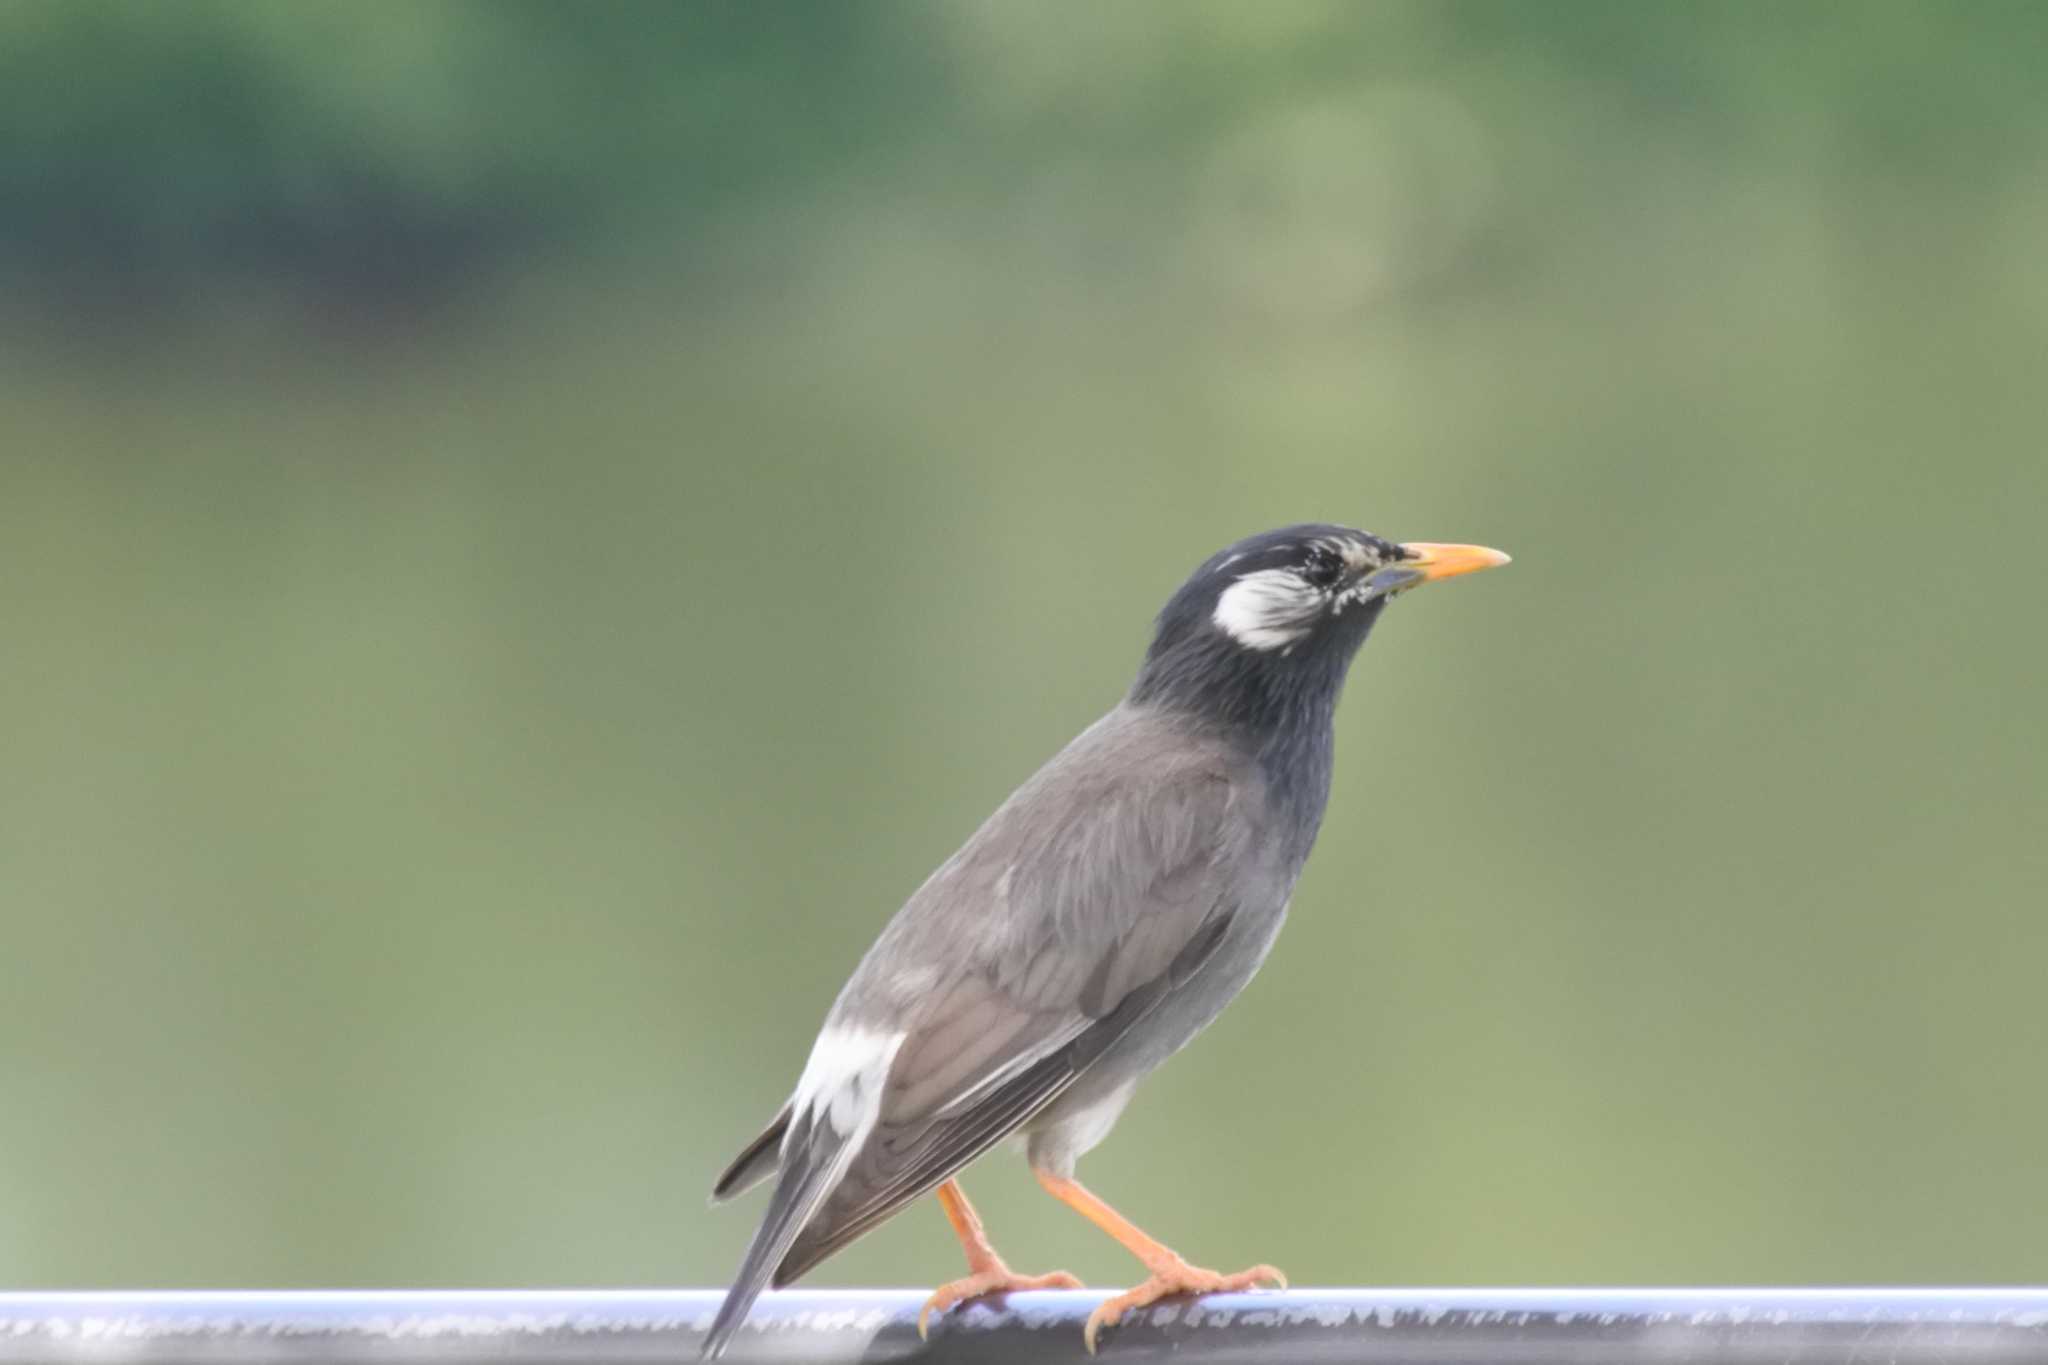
(1083, 904)
(910, 1156)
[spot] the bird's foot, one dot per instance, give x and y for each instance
(993, 1279)
(1176, 1277)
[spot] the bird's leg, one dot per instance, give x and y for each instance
(1170, 1274)
(986, 1273)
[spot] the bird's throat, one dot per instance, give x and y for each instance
(1278, 709)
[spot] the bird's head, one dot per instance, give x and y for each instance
(1273, 620)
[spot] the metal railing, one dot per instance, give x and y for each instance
(1390, 1326)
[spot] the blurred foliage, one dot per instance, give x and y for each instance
(344, 149)
(453, 761)
(350, 150)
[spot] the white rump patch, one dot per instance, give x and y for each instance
(842, 1082)
(1269, 609)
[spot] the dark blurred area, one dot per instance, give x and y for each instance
(156, 151)
(526, 530)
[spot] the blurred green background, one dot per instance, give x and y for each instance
(526, 530)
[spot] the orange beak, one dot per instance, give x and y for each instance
(1448, 561)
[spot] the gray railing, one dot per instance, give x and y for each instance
(1390, 1326)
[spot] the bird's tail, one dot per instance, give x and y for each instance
(756, 1163)
(813, 1160)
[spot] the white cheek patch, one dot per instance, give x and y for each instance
(842, 1082)
(1269, 609)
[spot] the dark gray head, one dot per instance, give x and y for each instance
(1260, 636)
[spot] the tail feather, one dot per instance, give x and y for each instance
(813, 1160)
(756, 1163)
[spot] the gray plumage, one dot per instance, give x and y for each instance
(1092, 926)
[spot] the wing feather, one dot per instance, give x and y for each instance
(903, 1164)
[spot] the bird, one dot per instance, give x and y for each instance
(1094, 924)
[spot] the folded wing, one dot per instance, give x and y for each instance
(1061, 926)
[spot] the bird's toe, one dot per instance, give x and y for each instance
(998, 1279)
(1176, 1278)
(1258, 1277)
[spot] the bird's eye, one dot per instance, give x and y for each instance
(1323, 569)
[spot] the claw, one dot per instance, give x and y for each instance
(1175, 1278)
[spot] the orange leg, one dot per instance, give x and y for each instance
(1170, 1274)
(986, 1273)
